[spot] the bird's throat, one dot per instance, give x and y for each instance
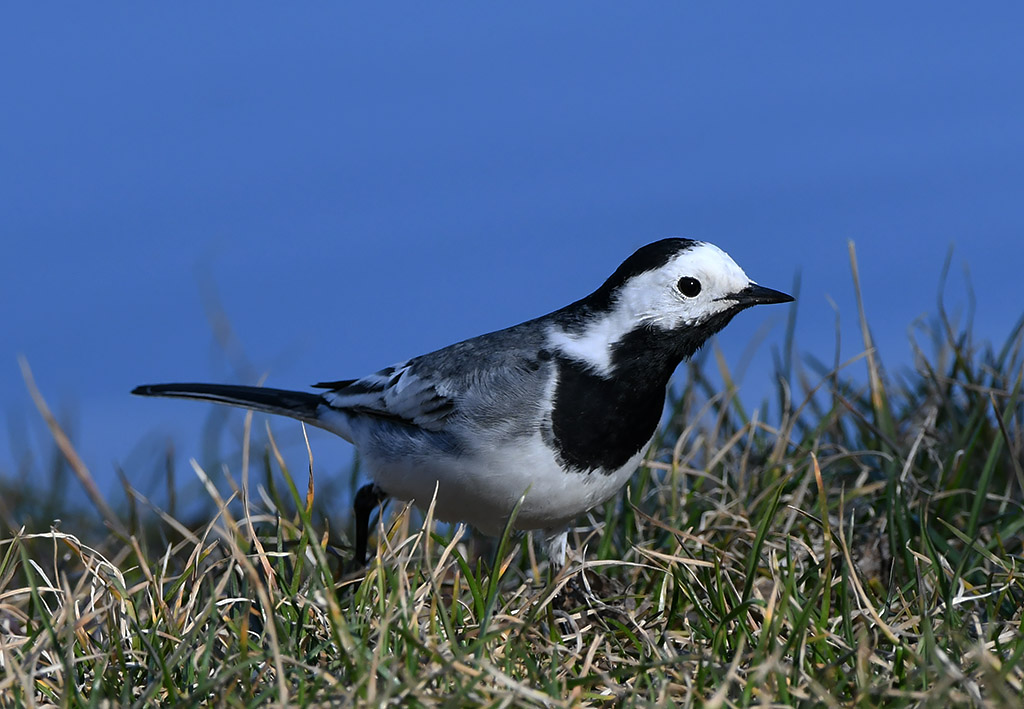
(599, 422)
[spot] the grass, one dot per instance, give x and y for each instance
(863, 549)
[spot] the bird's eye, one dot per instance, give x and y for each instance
(688, 286)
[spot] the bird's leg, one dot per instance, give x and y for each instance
(558, 543)
(368, 498)
(572, 594)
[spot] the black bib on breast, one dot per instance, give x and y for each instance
(601, 421)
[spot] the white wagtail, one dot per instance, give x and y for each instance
(561, 409)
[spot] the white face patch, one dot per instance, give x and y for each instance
(654, 299)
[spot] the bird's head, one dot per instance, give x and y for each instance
(676, 283)
(677, 292)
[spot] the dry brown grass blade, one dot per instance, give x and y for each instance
(67, 449)
(310, 488)
(862, 595)
(874, 377)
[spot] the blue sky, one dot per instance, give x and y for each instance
(363, 184)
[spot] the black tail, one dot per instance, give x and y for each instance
(297, 404)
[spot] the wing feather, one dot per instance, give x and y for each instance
(396, 393)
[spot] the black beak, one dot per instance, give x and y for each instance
(754, 294)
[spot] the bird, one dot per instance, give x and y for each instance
(554, 414)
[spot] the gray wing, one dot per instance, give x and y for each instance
(485, 377)
(395, 393)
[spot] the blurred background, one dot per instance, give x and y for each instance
(233, 191)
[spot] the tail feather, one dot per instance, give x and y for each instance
(297, 404)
